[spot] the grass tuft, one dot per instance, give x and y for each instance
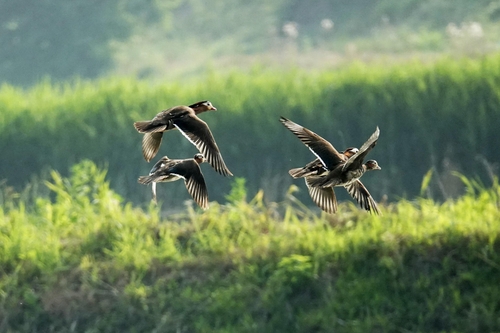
(87, 259)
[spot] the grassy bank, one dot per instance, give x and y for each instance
(84, 260)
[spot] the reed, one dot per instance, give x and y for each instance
(442, 116)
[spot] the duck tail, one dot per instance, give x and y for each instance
(297, 172)
(142, 126)
(145, 180)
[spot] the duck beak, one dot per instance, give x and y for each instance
(213, 108)
(378, 168)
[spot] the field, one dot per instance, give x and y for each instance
(82, 249)
(85, 260)
(430, 117)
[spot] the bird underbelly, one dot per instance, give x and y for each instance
(350, 177)
(169, 178)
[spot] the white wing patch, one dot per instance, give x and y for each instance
(213, 158)
(319, 158)
(185, 135)
(177, 175)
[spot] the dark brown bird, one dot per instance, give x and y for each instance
(324, 197)
(339, 169)
(185, 119)
(167, 170)
(316, 168)
(353, 168)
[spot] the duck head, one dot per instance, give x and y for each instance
(350, 151)
(199, 158)
(372, 165)
(202, 107)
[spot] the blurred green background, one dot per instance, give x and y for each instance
(179, 39)
(82, 249)
(77, 74)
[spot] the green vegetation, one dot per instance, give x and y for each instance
(83, 250)
(60, 38)
(316, 34)
(86, 261)
(167, 39)
(430, 116)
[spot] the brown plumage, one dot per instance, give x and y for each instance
(334, 169)
(167, 170)
(316, 168)
(185, 119)
(323, 197)
(353, 168)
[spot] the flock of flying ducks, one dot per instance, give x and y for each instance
(330, 169)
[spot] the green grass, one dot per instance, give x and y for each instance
(443, 111)
(85, 260)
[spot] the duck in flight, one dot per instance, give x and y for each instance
(185, 119)
(167, 170)
(338, 169)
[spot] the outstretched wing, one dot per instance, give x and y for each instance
(198, 133)
(194, 180)
(323, 197)
(359, 193)
(356, 160)
(323, 149)
(151, 144)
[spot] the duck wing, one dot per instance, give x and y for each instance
(151, 144)
(323, 149)
(194, 180)
(198, 133)
(323, 197)
(356, 160)
(359, 193)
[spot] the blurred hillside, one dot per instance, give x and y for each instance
(190, 51)
(179, 39)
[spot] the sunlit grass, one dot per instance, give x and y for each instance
(87, 256)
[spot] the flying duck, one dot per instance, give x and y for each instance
(185, 119)
(336, 169)
(316, 168)
(167, 170)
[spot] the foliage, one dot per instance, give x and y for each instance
(430, 116)
(234, 21)
(64, 39)
(86, 261)
(359, 16)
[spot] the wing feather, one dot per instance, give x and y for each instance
(359, 193)
(324, 198)
(356, 160)
(320, 147)
(151, 144)
(198, 133)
